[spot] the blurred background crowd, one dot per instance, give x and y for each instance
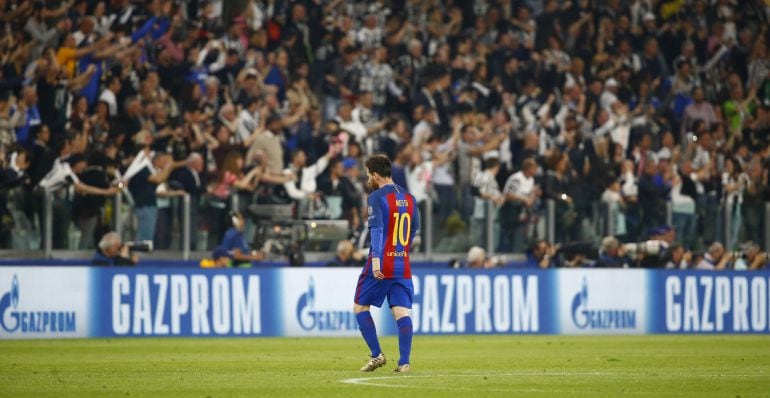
(641, 113)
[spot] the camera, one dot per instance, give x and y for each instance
(140, 246)
(744, 255)
(646, 248)
(278, 232)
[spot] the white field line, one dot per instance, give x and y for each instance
(378, 381)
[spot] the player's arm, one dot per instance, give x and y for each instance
(376, 231)
(415, 223)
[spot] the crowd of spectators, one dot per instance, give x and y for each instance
(510, 104)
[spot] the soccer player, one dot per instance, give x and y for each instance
(393, 222)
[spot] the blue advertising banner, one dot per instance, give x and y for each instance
(55, 302)
(709, 302)
(482, 302)
(191, 302)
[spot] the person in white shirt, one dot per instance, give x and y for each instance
(303, 190)
(418, 176)
(521, 194)
(486, 192)
(443, 178)
(357, 130)
(734, 183)
(609, 96)
(248, 121)
(363, 114)
(423, 130)
(613, 198)
(370, 35)
(109, 95)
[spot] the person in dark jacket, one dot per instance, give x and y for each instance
(612, 254)
(191, 180)
(346, 256)
(112, 251)
(653, 191)
(86, 209)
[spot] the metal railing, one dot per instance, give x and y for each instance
(728, 224)
(610, 213)
(235, 201)
(490, 227)
(429, 228)
(550, 219)
(186, 226)
(48, 222)
(117, 212)
(603, 220)
(767, 226)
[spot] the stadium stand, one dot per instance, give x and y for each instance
(636, 115)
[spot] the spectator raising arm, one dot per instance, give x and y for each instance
(88, 189)
(162, 176)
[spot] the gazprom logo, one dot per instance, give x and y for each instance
(13, 320)
(15, 292)
(310, 318)
(585, 317)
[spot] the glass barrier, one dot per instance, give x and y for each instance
(766, 227)
(489, 226)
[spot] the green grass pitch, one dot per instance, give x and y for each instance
(442, 366)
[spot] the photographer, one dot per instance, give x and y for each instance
(752, 258)
(347, 256)
(235, 242)
(542, 255)
(654, 252)
(612, 254)
(715, 259)
(112, 251)
(477, 258)
(679, 258)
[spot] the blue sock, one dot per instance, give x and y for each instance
(404, 339)
(366, 325)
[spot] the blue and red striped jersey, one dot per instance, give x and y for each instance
(394, 210)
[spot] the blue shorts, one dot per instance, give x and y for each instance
(371, 291)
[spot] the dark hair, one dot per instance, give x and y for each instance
(250, 100)
(333, 162)
(491, 163)
(272, 119)
(528, 162)
(296, 152)
(379, 164)
(113, 78)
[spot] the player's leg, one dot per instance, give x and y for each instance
(367, 328)
(368, 293)
(400, 299)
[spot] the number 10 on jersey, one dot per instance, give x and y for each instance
(402, 228)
